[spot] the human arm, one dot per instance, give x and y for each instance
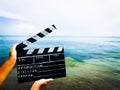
(8, 65)
(38, 84)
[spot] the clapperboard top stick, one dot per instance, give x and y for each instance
(35, 38)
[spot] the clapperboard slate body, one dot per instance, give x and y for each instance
(39, 63)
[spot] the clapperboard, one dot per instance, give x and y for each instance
(35, 64)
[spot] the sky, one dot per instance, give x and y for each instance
(71, 17)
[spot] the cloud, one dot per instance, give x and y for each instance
(25, 29)
(24, 26)
(8, 14)
(72, 17)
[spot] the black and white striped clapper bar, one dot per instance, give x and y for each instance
(39, 63)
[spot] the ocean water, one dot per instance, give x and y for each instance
(99, 53)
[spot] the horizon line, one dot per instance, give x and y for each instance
(61, 36)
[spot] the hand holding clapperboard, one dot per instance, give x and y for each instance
(39, 63)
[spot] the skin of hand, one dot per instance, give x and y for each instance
(38, 84)
(8, 65)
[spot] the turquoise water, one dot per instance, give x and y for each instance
(79, 48)
(100, 51)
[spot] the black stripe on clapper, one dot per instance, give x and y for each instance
(32, 40)
(40, 35)
(54, 26)
(48, 30)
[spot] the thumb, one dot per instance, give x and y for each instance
(13, 51)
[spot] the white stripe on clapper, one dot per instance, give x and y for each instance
(51, 49)
(36, 37)
(40, 51)
(30, 51)
(26, 42)
(59, 49)
(52, 28)
(44, 32)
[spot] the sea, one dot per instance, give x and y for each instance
(98, 51)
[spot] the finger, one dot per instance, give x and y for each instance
(44, 81)
(13, 47)
(48, 80)
(13, 51)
